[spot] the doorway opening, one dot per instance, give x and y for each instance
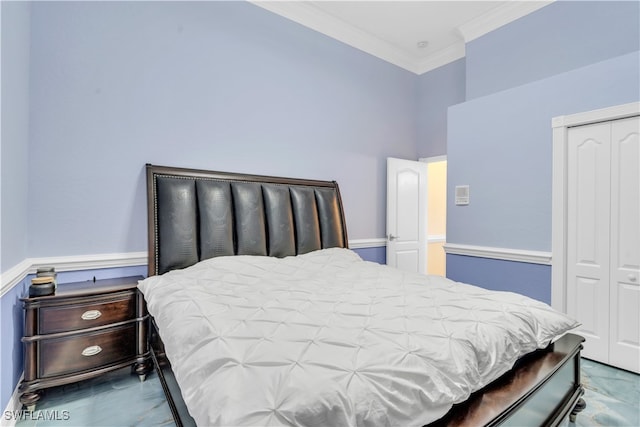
(436, 214)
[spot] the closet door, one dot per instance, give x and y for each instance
(625, 245)
(588, 210)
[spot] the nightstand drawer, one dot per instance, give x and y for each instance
(82, 316)
(87, 351)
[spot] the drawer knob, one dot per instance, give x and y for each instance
(91, 314)
(92, 350)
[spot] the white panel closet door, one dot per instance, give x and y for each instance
(588, 187)
(624, 348)
(603, 239)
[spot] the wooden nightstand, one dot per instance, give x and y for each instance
(83, 330)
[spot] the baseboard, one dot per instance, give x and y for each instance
(9, 416)
(517, 255)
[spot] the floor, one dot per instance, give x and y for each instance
(612, 396)
(115, 399)
(120, 399)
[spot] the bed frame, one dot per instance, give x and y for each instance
(197, 214)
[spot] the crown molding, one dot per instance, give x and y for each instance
(441, 57)
(311, 17)
(498, 17)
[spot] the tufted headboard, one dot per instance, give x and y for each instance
(195, 215)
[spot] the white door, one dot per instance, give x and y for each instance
(624, 350)
(407, 215)
(588, 154)
(603, 239)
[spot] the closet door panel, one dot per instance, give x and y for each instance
(625, 244)
(588, 208)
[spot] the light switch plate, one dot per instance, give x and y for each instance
(462, 195)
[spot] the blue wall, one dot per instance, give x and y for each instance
(15, 133)
(500, 144)
(560, 37)
(378, 254)
(439, 89)
(11, 322)
(213, 85)
(500, 275)
(584, 56)
(13, 182)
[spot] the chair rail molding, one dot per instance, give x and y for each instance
(506, 254)
(15, 275)
(367, 243)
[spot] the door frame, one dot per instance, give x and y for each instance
(560, 126)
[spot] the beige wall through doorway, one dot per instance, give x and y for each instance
(436, 214)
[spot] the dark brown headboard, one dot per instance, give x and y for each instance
(195, 215)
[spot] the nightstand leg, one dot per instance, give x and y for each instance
(580, 405)
(141, 369)
(29, 400)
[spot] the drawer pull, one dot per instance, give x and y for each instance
(91, 314)
(92, 350)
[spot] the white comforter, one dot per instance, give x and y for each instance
(327, 339)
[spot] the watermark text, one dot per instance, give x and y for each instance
(46, 415)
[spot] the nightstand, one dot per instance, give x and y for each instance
(83, 330)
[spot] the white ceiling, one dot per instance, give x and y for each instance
(391, 30)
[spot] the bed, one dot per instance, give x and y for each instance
(261, 315)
